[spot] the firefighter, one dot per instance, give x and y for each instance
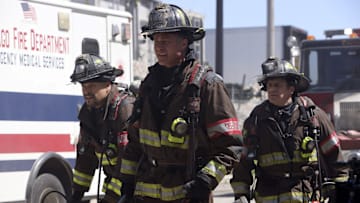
(291, 143)
(184, 135)
(103, 129)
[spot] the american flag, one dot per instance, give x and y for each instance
(29, 11)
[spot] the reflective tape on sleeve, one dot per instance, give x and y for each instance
(114, 185)
(105, 159)
(215, 169)
(330, 143)
(82, 179)
(224, 127)
(240, 188)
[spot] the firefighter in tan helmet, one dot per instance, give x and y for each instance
(184, 136)
(103, 132)
(291, 143)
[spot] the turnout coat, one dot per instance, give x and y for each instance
(283, 172)
(103, 136)
(157, 160)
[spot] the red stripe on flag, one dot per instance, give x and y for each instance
(21, 143)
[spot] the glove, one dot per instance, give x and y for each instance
(127, 193)
(199, 188)
(126, 199)
(329, 192)
(77, 196)
(241, 199)
(127, 189)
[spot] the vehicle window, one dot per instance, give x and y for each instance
(336, 68)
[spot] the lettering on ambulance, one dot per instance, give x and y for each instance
(36, 122)
(33, 48)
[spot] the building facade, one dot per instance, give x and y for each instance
(245, 49)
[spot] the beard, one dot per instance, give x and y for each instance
(92, 101)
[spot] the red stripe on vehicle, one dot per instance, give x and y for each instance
(20, 143)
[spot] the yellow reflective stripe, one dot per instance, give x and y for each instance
(165, 135)
(82, 179)
(174, 139)
(157, 191)
(341, 179)
(331, 142)
(240, 188)
(128, 167)
(114, 186)
(215, 169)
(152, 138)
(289, 197)
(278, 158)
(113, 146)
(149, 137)
(313, 156)
(105, 159)
(103, 189)
(273, 159)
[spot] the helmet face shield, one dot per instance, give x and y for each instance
(80, 70)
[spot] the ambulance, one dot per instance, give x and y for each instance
(39, 41)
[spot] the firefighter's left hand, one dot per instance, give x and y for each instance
(127, 192)
(197, 189)
(329, 192)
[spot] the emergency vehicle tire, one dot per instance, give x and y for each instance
(47, 188)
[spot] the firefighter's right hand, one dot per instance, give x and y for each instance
(241, 199)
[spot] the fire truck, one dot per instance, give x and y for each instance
(333, 67)
(39, 42)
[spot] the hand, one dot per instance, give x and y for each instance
(329, 192)
(241, 199)
(126, 199)
(127, 193)
(127, 189)
(197, 189)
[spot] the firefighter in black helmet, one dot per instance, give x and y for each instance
(286, 137)
(186, 135)
(103, 129)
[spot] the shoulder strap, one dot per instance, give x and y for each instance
(115, 104)
(307, 113)
(197, 77)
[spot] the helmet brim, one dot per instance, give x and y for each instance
(302, 85)
(104, 76)
(118, 72)
(197, 33)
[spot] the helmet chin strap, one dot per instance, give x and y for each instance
(181, 57)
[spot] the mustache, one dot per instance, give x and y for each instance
(89, 95)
